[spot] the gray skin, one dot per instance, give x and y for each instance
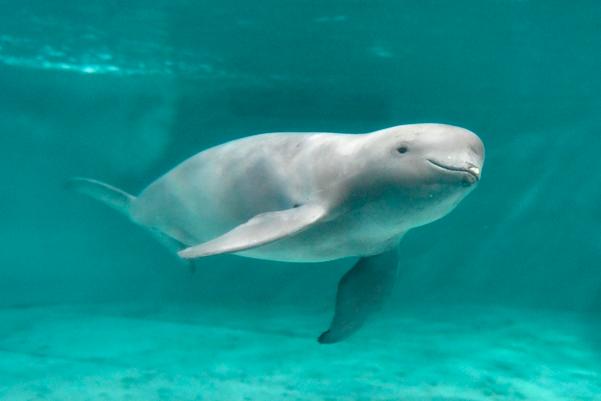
(311, 197)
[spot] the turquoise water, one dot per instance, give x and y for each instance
(499, 300)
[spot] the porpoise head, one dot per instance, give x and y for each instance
(422, 170)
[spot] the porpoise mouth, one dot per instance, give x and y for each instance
(471, 170)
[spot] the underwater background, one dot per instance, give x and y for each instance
(500, 300)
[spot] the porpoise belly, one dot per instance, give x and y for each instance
(327, 241)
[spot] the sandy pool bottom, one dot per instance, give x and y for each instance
(193, 352)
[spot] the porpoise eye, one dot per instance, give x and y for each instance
(402, 149)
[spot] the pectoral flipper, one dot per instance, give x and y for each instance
(361, 292)
(260, 230)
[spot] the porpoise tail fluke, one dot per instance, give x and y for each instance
(109, 195)
(120, 201)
